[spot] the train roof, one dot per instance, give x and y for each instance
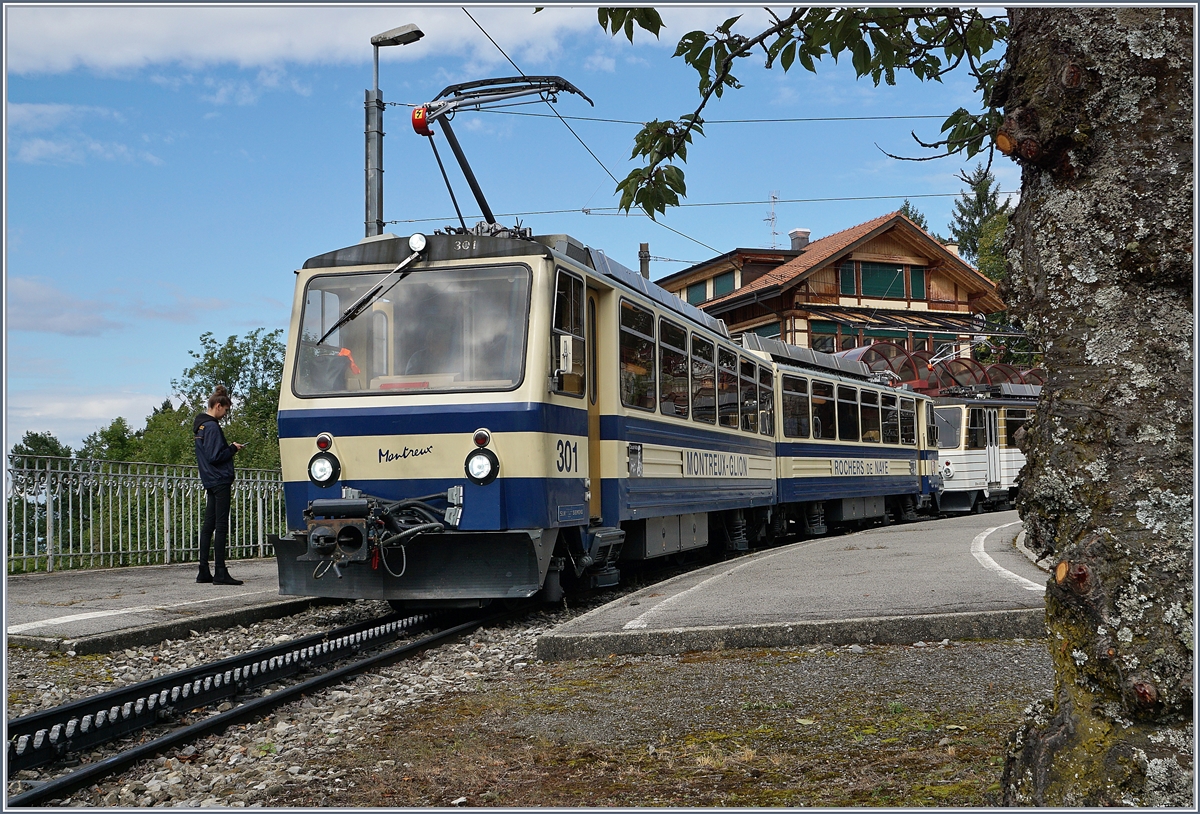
(1005, 391)
(805, 357)
(392, 249)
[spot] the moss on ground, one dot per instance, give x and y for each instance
(892, 727)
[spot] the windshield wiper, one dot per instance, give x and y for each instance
(366, 300)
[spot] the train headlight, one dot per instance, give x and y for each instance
(417, 242)
(947, 470)
(323, 469)
(482, 466)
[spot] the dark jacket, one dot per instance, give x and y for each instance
(213, 453)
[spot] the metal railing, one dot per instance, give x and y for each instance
(63, 513)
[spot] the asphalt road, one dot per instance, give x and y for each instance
(966, 570)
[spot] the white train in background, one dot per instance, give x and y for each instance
(977, 446)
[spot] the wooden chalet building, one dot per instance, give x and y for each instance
(883, 280)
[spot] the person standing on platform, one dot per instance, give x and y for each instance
(215, 457)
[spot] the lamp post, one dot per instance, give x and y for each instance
(403, 35)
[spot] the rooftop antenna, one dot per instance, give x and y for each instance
(771, 220)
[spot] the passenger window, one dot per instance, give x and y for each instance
(672, 369)
(704, 375)
(908, 421)
(727, 388)
(824, 423)
(637, 357)
(766, 401)
(567, 336)
(749, 395)
(976, 428)
(1013, 421)
(795, 407)
(889, 419)
(847, 414)
(869, 411)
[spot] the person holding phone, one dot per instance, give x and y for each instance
(215, 457)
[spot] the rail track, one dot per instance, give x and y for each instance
(45, 737)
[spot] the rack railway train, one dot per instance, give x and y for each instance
(487, 415)
(977, 443)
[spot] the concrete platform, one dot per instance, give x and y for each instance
(100, 610)
(956, 578)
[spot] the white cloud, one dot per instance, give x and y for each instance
(39, 306)
(35, 117)
(73, 414)
(600, 62)
(56, 39)
(61, 139)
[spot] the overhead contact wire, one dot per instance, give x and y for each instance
(576, 135)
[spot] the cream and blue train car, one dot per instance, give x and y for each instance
(977, 427)
(471, 417)
(851, 449)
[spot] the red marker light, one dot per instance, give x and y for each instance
(482, 438)
(324, 441)
(420, 122)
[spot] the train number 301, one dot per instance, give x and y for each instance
(568, 456)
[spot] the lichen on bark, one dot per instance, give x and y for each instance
(1098, 112)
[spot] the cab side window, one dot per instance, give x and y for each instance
(567, 344)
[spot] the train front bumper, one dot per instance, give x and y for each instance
(463, 565)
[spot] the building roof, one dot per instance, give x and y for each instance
(819, 252)
(752, 255)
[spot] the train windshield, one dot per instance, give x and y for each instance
(949, 426)
(443, 331)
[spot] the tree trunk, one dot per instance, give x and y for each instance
(1098, 111)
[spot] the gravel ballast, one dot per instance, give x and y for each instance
(482, 722)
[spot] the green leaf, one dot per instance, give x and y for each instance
(725, 26)
(788, 56)
(862, 57)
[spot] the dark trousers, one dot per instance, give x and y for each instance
(216, 517)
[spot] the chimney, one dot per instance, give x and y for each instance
(644, 259)
(952, 248)
(799, 239)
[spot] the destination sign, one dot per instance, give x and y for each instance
(715, 465)
(858, 466)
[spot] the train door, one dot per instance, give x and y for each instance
(992, 422)
(593, 407)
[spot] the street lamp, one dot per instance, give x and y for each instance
(403, 35)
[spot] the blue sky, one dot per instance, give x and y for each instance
(167, 168)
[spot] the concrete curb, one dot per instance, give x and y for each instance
(180, 629)
(1043, 563)
(1005, 624)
